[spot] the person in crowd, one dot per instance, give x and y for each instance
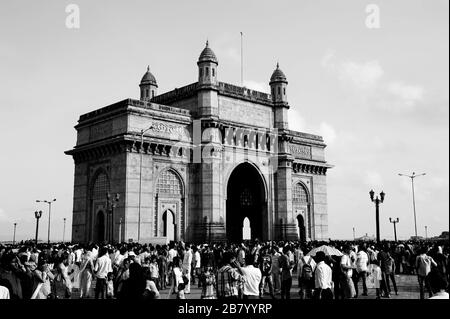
(323, 278)
(286, 266)
(306, 267)
(252, 278)
(377, 276)
(133, 287)
(150, 291)
(384, 262)
(187, 264)
(208, 284)
(196, 265)
(123, 273)
(228, 277)
(390, 274)
(337, 275)
(362, 262)
(154, 270)
(423, 268)
(63, 282)
(276, 278)
(162, 267)
(43, 278)
(178, 283)
(102, 268)
(265, 265)
(347, 270)
(110, 286)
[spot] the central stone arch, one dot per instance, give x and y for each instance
(246, 198)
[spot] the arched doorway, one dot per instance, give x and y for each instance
(100, 227)
(169, 225)
(301, 207)
(246, 199)
(301, 228)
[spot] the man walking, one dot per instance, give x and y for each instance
(423, 268)
(228, 277)
(286, 273)
(362, 263)
(102, 268)
(252, 278)
(323, 278)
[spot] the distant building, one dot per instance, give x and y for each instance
(198, 162)
(365, 238)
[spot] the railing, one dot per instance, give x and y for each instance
(244, 92)
(132, 102)
(176, 94)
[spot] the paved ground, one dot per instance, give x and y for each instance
(408, 288)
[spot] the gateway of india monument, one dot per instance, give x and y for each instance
(206, 162)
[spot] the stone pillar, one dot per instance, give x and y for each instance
(212, 226)
(284, 224)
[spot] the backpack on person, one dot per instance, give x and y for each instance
(307, 271)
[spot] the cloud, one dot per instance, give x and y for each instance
(393, 96)
(328, 132)
(362, 75)
(408, 94)
(257, 86)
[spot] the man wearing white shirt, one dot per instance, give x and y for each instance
(252, 278)
(323, 280)
(102, 268)
(197, 264)
(306, 284)
(187, 261)
(362, 262)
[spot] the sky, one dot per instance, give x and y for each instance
(374, 86)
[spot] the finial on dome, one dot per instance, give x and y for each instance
(278, 65)
(148, 68)
(207, 42)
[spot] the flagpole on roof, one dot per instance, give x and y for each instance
(242, 60)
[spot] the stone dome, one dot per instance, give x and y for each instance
(148, 78)
(207, 55)
(278, 75)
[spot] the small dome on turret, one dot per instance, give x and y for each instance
(148, 78)
(278, 75)
(207, 55)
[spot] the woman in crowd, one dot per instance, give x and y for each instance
(86, 273)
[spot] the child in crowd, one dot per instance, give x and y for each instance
(154, 270)
(110, 286)
(208, 281)
(376, 275)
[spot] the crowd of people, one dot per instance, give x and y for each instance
(247, 270)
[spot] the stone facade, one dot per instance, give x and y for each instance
(192, 163)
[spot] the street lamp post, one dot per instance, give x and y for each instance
(49, 213)
(14, 235)
(377, 202)
(111, 205)
(37, 214)
(414, 201)
(395, 229)
(426, 232)
(64, 229)
(141, 150)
